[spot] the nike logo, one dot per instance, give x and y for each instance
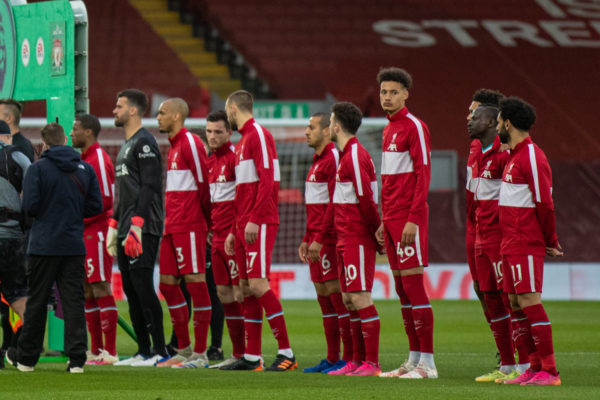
(181, 266)
(133, 261)
(402, 260)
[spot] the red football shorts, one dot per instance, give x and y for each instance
(98, 263)
(523, 274)
(225, 269)
(326, 269)
(257, 256)
(358, 261)
(183, 253)
(470, 245)
(489, 269)
(411, 256)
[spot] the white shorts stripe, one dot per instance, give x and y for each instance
(534, 172)
(359, 188)
(263, 251)
(421, 136)
(195, 155)
(263, 145)
(418, 246)
(105, 188)
(531, 273)
(193, 250)
(361, 260)
(101, 256)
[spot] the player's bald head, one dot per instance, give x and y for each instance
(177, 105)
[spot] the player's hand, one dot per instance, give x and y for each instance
(251, 232)
(230, 244)
(209, 238)
(133, 241)
(555, 251)
(111, 237)
(408, 234)
(379, 235)
(314, 251)
(303, 252)
(380, 248)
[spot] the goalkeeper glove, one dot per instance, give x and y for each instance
(111, 238)
(133, 242)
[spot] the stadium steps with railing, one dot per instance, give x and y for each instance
(190, 49)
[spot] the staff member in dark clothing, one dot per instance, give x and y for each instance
(59, 191)
(135, 230)
(10, 112)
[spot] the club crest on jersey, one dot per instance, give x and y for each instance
(222, 177)
(508, 175)
(392, 146)
(174, 162)
(486, 172)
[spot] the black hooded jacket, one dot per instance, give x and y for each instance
(59, 191)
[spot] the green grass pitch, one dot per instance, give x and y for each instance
(463, 344)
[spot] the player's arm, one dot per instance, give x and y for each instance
(93, 198)
(263, 161)
(539, 179)
(364, 193)
(326, 228)
(420, 154)
(196, 158)
(31, 192)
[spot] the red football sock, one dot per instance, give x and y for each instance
(330, 326)
(407, 315)
(369, 323)
(524, 329)
(421, 310)
(92, 317)
(343, 325)
(253, 325)
(202, 312)
(501, 328)
(357, 338)
(541, 330)
(518, 335)
(234, 316)
(179, 312)
(274, 313)
(108, 321)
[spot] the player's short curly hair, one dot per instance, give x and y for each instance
(348, 115)
(217, 116)
(395, 74)
(488, 97)
(520, 113)
(89, 121)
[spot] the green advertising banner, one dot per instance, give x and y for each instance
(280, 109)
(7, 50)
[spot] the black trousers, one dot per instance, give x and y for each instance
(69, 274)
(145, 310)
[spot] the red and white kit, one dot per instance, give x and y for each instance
(98, 262)
(221, 178)
(526, 197)
(319, 189)
(474, 154)
(405, 176)
(356, 217)
(187, 207)
(490, 166)
(257, 187)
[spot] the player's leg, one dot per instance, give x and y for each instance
(109, 316)
(530, 300)
(217, 316)
(226, 276)
(92, 309)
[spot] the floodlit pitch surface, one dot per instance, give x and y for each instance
(463, 344)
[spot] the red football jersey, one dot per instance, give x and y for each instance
(105, 171)
(318, 193)
(527, 217)
(256, 177)
(187, 196)
(490, 166)
(221, 178)
(405, 167)
(474, 154)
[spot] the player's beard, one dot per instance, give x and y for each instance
(119, 122)
(503, 135)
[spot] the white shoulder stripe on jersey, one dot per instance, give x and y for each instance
(103, 173)
(375, 190)
(421, 135)
(316, 193)
(534, 172)
(344, 193)
(393, 162)
(469, 178)
(195, 155)
(488, 189)
(276, 173)
(245, 172)
(516, 195)
(181, 181)
(356, 169)
(232, 148)
(336, 155)
(222, 191)
(263, 145)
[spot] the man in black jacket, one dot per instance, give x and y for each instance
(59, 191)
